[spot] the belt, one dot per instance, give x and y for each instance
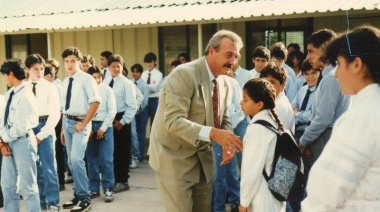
(26, 134)
(75, 118)
(97, 122)
(43, 118)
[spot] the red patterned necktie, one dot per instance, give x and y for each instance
(148, 81)
(215, 104)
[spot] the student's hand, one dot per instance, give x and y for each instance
(242, 209)
(227, 156)
(99, 134)
(63, 142)
(226, 139)
(306, 151)
(296, 110)
(79, 126)
(6, 150)
(38, 141)
(117, 125)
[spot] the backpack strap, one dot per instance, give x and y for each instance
(273, 129)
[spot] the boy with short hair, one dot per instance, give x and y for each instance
(127, 106)
(49, 107)
(153, 78)
(18, 143)
(277, 77)
(86, 62)
(260, 59)
(104, 63)
(100, 148)
(81, 99)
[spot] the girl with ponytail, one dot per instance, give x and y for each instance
(259, 145)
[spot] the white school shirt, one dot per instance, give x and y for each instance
(155, 81)
(60, 94)
(108, 73)
(23, 114)
(242, 76)
(84, 92)
(144, 89)
(126, 97)
(285, 111)
(2, 109)
(303, 117)
(346, 177)
(107, 109)
(255, 73)
(259, 145)
(48, 105)
(235, 114)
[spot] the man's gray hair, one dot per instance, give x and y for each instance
(218, 36)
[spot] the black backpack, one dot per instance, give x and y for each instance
(286, 182)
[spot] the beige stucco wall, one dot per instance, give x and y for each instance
(3, 86)
(131, 44)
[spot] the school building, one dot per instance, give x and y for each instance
(133, 28)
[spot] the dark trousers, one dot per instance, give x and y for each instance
(152, 108)
(60, 154)
(122, 151)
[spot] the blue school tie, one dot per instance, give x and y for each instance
(111, 83)
(34, 88)
(7, 107)
(68, 96)
(305, 100)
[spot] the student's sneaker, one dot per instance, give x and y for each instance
(71, 203)
(119, 187)
(52, 209)
(134, 162)
(108, 195)
(94, 194)
(83, 205)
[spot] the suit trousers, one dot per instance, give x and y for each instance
(122, 151)
(185, 196)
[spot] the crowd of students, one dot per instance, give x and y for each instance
(95, 123)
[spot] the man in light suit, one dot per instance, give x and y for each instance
(183, 130)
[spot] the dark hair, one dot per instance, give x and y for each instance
(306, 66)
(93, 70)
(106, 54)
(260, 90)
(362, 42)
(175, 63)
(295, 46)
(72, 51)
(277, 52)
(53, 62)
(274, 71)
(34, 59)
(88, 58)
(297, 54)
(15, 66)
(125, 71)
(150, 57)
(320, 37)
(115, 58)
(47, 71)
(262, 52)
(185, 55)
(138, 67)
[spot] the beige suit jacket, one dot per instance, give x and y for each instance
(185, 105)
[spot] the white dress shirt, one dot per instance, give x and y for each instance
(235, 114)
(255, 73)
(23, 114)
(107, 109)
(155, 81)
(107, 74)
(285, 112)
(126, 97)
(60, 94)
(84, 92)
(303, 117)
(259, 145)
(346, 177)
(48, 105)
(242, 76)
(144, 89)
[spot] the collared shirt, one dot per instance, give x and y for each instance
(303, 117)
(329, 104)
(108, 73)
(144, 89)
(284, 111)
(242, 76)
(347, 172)
(48, 105)
(58, 81)
(60, 94)
(23, 114)
(255, 73)
(300, 80)
(126, 97)
(291, 85)
(155, 81)
(235, 114)
(84, 92)
(107, 109)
